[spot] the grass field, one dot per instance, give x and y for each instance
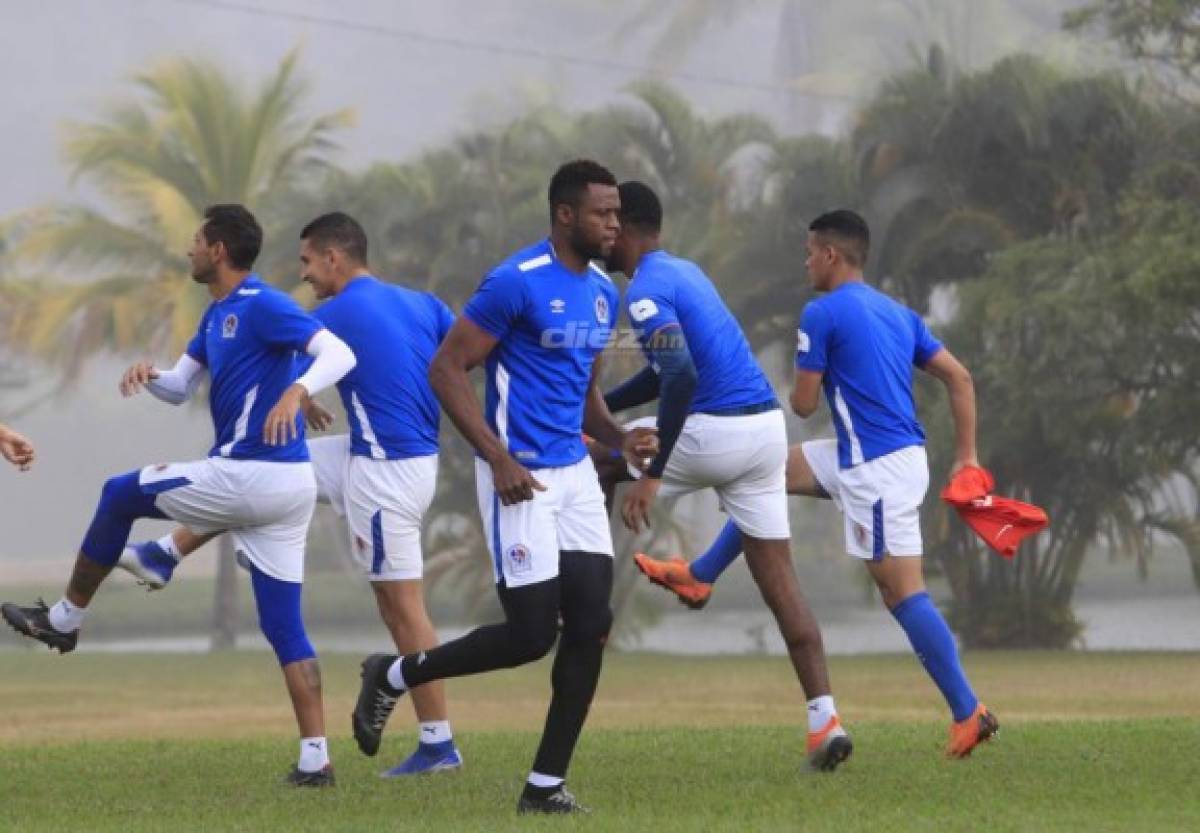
(143, 742)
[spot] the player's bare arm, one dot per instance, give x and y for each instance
(806, 393)
(957, 379)
(466, 347)
(16, 448)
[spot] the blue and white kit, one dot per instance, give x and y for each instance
(550, 324)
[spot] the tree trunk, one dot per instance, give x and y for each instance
(225, 598)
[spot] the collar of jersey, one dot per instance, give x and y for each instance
(587, 269)
(654, 254)
(246, 281)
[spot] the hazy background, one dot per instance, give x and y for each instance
(418, 77)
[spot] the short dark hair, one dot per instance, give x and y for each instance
(572, 179)
(236, 227)
(337, 230)
(640, 207)
(849, 234)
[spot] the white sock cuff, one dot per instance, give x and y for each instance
(66, 617)
(167, 545)
(395, 675)
(314, 754)
(434, 731)
(537, 779)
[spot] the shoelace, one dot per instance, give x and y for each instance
(384, 703)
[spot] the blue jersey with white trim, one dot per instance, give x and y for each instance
(668, 292)
(249, 342)
(866, 344)
(394, 332)
(550, 324)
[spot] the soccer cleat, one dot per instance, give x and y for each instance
(34, 622)
(965, 735)
(558, 802)
(148, 563)
(321, 778)
(429, 757)
(376, 699)
(829, 746)
(675, 575)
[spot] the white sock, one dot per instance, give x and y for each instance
(539, 780)
(167, 545)
(65, 617)
(314, 754)
(820, 709)
(396, 675)
(434, 731)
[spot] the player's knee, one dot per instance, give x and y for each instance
(532, 641)
(590, 629)
(286, 635)
(121, 495)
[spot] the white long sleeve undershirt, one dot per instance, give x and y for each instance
(332, 359)
(175, 386)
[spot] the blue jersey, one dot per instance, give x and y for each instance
(394, 333)
(249, 341)
(551, 324)
(866, 345)
(669, 292)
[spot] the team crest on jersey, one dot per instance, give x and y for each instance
(520, 559)
(229, 326)
(558, 305)
(601, 309)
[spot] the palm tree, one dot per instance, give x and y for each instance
(192, 136)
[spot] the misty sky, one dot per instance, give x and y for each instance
(64, 59)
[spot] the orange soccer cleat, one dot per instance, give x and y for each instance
(829, 746)
(965, 735)
(675, 575)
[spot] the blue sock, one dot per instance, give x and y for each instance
(935, 648)
(723, 552)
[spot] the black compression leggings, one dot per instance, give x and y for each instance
(580, 595)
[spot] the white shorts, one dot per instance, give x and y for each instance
(383, 502)
(525, 539)
(265, 506)
(880, 499)
(742, 458)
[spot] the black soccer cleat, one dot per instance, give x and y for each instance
(559, 802)
(321, 778)
(376, 699)
(34, 622)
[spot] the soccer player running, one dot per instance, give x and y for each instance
(257, 481)
(382, 476)
(719, 426)
(16, 448)
(538, 323)
(860, 346)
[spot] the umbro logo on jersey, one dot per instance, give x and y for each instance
(558, 305)
(229, 326)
